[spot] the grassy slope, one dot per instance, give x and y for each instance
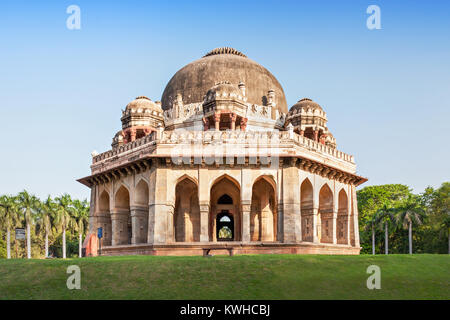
(222, 277)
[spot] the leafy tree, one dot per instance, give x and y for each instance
(370, 200)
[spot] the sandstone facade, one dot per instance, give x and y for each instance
(226, 171)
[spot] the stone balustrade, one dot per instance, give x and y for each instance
(241, 137)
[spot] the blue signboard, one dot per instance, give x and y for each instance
(100, 233)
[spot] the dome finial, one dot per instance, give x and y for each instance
(225, 50)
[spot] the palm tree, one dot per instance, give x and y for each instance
(410, 212)
(28, 204)
(384, 218)
(8, 219)
(46, 212)
(371, 226)
(64, 217)
(82, 221)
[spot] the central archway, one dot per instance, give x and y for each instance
(225, 226)
(224, 206)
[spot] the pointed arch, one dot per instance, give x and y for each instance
(307, 210)
(225, 184)
(121, 222)
(228, 177)
(186, 218)
(342, 218)
(325, 228)
(186, 176)
(263, 214)
(103, 201)
(141, 193)
(103, 217)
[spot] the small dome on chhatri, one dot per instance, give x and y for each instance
(143, 102)
(223, 90)
(305, 103)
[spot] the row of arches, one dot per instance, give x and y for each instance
(325, 214)
(129, 224)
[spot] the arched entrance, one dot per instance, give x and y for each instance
(139, 213)
(121, 218)
(104, 218)
(263, 216)
(224, 206)
(186, 219)
(342, 218)
(225, 226)
(325, 226)
(306, 209)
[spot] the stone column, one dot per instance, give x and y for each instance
(243, 124)
(291, 204)
(119, 222)
(204, 222)
(315, 226)
(334, 226)
(205, 124)
(132, 134)
(217, 121)
(233, 121)
(139, 224)
(92, 222)
(355, 216)
(158, 222)
(316, 135)
(245, 226)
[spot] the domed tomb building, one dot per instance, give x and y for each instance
(222, 164)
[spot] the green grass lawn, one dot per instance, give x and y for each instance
(222, 277)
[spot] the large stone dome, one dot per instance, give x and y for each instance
(194, 80)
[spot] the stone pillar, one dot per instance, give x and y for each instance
(204, 222)
(205, 124)
(139, 224)
(233, 121)
(243, 124)
(119, 222)
(245, 209)
(159, 215)
(291, 203)
(217, 121)
(92, 222)
(355, 216)
(334, 226)
(132, 134)
(316, 224)
(316, 135)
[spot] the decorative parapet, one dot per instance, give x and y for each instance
(284, 139)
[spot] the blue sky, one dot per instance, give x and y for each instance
(386, 92)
